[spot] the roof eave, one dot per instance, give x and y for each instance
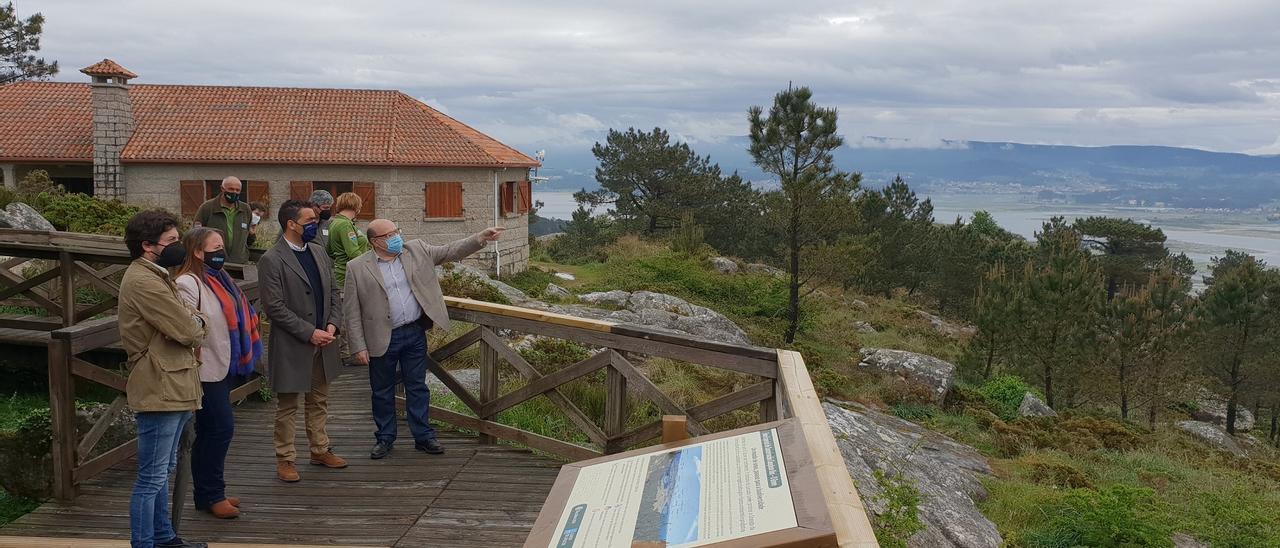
(497, 165)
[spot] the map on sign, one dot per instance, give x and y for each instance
(690, 496)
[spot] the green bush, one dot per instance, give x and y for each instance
(901, 515)
(1004, 394)
(584, 239)
(914, 411)
(82, 213)
(1119, 515)
(548, 354)
(532, 280)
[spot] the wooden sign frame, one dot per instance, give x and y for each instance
(813, 523)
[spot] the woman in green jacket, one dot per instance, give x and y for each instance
(346, 242)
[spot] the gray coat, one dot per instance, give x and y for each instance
(287, 301)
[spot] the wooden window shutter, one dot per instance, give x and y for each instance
(444, 200)
(258, 191)
(507, 198)
(526, 197)
(299, 190)
(191, 194)
(367, 194)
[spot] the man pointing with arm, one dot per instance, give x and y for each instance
(392, 298)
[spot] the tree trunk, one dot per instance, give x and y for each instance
(793, 297)
(1124, 391)
(1048, 384)
(1234, 400)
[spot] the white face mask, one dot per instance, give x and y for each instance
(256, 218)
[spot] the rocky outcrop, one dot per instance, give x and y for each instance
(864, 327)
(947, 328)
(610, 298)
(946, 473)
(724, 265)
(927, 371)
(1212, 435)
(1210, 407)
(758, 268)
(1031, 406)
(22, 216)
(556, 291)
(512, 294)
(1183, 540)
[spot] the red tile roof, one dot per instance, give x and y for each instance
(52, 121)
(107, 67)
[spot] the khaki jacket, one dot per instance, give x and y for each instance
(159, 333)
(365, 304)
(212, 215)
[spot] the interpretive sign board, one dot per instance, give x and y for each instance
(753, 486)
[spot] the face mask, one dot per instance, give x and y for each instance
(215, 259)
(325, 214)
(232, 197)
(309, 231)
(395, 245)
(257, 218)
(172, 255)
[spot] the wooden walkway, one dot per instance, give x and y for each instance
(473, 495)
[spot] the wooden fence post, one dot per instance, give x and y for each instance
(615, 408)
(62, 408)
(68, 268)
(488, 383)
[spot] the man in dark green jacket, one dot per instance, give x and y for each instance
(229, 214)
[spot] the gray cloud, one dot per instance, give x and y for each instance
(557, 74)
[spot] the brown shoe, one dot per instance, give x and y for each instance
(287, 472)
(223, 509)
(235, 501)
(328, 460)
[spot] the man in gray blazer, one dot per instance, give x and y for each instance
(392, 297)
(295, 278)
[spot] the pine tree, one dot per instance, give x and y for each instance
(1235, 315)
(994, 316)
(19, 40)
(1165, 316)
(814, 204)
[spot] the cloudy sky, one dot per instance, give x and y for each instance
(555, 74)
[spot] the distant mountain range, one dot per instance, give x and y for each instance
(1150, 175)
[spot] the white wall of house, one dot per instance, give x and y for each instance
(399, 197)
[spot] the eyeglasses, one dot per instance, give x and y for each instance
(395, 232)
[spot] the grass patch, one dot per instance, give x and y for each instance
(18, 406)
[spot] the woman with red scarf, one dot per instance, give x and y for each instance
(227, 356)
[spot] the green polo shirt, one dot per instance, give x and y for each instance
(346, 242)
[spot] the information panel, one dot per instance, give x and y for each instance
(697, 494)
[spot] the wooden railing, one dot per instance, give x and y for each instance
(783, 390)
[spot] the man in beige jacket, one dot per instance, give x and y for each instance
(391, 298)
(159, 334)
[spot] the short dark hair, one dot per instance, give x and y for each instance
(291, 211)
(258, 206)
(147, 226)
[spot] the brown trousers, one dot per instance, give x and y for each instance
(317, 414)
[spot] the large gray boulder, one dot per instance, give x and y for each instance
(1212, 435)
(556, 291)
(657, 311)
(1031, 406)
(610, 298)
(947, 328)
(947, 473)
(724, 265)
(759, 268)
(511, 293)
(1210, 407)
(926, 371)
(22, 216)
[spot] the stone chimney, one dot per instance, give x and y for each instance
(112, 125)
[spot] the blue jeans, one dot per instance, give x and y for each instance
(215, 426)
(408, 350)
(158, 435)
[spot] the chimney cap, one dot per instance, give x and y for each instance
(108, 68)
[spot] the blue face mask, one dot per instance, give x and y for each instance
(395, 245)
(309, 231)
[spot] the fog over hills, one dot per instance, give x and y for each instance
(1176, 177)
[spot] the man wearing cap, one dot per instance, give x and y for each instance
(324, 210)
(230, 215)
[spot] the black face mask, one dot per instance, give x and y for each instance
(215, 259)
(232, 197)
(325, 214)
(172, 255)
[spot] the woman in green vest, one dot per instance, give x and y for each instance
(346, 242)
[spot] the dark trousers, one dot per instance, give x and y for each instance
(408, 350)
(215, 426)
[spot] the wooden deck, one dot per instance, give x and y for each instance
(473, 495)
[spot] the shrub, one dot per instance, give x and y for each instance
(460, 284)
(82, 213)
(1114, 516)
(533, 280)
(583, 240)
(1055, 473)
(547, 354)
(901, 516)
(913, 411)
(1004, 394)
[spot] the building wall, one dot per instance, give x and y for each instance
(399, 196)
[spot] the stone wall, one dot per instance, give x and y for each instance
(399, 196)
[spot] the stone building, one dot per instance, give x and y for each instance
(170, 146)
